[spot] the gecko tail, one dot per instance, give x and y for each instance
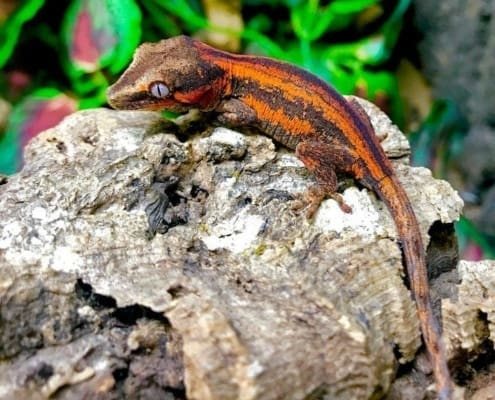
(393, 194)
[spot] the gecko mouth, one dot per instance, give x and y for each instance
(142, 101)
(127, 101)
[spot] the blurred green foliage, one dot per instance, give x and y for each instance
(57, 57)
(437, 144)
(439, 139)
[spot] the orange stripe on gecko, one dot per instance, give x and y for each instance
(316, 93)
(278, 116)
(294, 87)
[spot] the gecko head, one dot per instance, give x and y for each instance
(168, 75)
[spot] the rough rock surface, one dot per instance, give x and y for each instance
(233, 294)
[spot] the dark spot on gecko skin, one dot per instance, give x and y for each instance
(3, 179)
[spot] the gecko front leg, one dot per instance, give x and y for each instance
(323, 160)
(235, 113)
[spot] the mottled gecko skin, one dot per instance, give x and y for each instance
(329, 134)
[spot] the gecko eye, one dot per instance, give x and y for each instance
(159, 90)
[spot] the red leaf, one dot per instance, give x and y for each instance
(85, 50)
(45, 114)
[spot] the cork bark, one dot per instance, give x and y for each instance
(232, 293)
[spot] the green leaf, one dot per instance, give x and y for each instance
(267, 46)
(192, 18)
(11, 28)
(440, 137)
(310, 20)
(382, 88)
(351, 6)
(470, 236)
(158, 24)
(374, 49)
(39, 111)
(100, 34)
(393, 26)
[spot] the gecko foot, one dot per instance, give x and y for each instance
(312, 198)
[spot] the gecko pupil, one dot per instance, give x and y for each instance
(159, 90)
